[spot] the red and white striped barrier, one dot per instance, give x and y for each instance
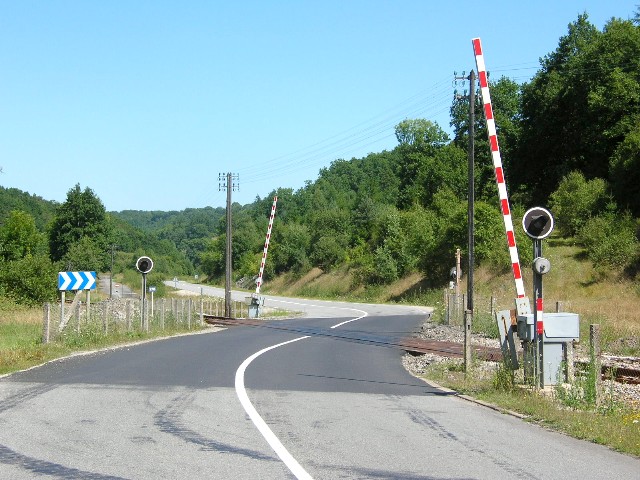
(539, 316)
(266, 245)
(497, 163)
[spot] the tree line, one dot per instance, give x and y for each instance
(570, 140)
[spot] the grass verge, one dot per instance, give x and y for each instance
(21, 344)
(612, 424)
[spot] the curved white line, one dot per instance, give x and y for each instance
(364, 314)
(291, 463)
(273, 441)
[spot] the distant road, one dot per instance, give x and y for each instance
(310, 308)
(116, 289)
(324, 398)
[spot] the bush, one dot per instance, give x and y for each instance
(610, 241)
(385, 268)
(31, 280)
(330, 251)
(576, 200)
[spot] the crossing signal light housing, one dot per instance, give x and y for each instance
(144, 264)
(537, 223)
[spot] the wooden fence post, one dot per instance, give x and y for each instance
(46, 324)
(77, 314)
(105, 321)
(162, 315)
(569, 362)
(596, 360)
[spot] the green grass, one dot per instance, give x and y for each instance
(21, 343)
(611, 424)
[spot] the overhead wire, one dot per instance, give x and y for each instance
(428, 103)
(373, 131)
(368, 132)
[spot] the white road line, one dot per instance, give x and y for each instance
(364, 314)
(277, 446)
(291, 463)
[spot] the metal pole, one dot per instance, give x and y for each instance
(144, 298)
(538, 368)
(457, 275)
(468, 315)
(227, 289)
(471, 193)
(62, 301)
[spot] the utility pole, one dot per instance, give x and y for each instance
(230, 187)
(471, 194)
(468, 314)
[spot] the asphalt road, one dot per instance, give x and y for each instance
(319, 399)
(116, 289)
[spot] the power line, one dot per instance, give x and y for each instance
(428, 103)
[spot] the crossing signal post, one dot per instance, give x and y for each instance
(144, 265)
(538, 224)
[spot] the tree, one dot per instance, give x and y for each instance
(576, 200)
(30, 280)
(554, 109)
(420, 134)
(289, 250)
(610, 241)
(19, 237)
(81, 215)
(581, 106)
(419, 140)
(625, 171)
(83, 255)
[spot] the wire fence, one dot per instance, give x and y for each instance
(130, 315)
(456, 304)
(485, 307)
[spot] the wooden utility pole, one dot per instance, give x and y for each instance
(471, 78)
(229, 249)
(468, 313)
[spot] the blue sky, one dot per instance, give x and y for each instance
(146, 102)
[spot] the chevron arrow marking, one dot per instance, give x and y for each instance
(63, 281)
(76, 280)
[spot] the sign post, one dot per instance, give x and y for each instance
(74, 281)
(537, 223)
(144, 266)
(152, 290)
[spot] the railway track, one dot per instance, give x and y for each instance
(611, 368)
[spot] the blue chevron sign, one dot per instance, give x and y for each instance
(76, 280)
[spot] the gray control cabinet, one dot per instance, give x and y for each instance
(254, 304)
(559, 329)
